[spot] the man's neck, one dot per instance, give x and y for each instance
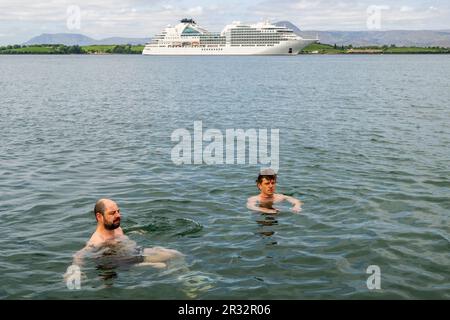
(106, 234)
(263, 196)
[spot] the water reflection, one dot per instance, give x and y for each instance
(115, 256)
(107, 274)
(267, 223)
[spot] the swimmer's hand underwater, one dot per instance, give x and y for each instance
(297, 207)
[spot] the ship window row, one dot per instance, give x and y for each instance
(254, 30)
(256, 41)
(258, 35)
(246, 43)
(246, 30)
(255, 35)
(253, 45)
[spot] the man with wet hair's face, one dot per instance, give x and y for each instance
(267, 184)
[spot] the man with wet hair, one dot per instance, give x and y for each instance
(109, 234)
(266, 183)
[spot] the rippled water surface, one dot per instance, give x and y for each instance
(364, 142)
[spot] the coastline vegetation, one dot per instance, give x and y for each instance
(315, 48)
(63, 49)
(320, 48)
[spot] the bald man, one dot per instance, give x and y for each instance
(110, 234)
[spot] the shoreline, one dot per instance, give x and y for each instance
(316, 48)
(322, 48)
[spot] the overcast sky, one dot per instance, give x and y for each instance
(22, 19)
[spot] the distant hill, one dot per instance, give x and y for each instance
(289, 25)
(70, 39)
(419, 38)
(401, 38)
(121, 40)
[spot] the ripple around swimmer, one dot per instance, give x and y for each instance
(179, 227)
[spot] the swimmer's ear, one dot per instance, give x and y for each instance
(98, 215)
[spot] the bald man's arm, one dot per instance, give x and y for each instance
(77, 262)
(159, 254)
(78, 257)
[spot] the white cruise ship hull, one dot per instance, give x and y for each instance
(291, 47)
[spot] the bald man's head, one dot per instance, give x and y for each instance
(107, 213)
(102, 205)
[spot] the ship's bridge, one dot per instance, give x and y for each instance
(188, 27)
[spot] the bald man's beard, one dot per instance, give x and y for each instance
(113, 225)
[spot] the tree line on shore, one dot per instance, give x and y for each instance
(137, 49)
(75, 49)
(323, 48)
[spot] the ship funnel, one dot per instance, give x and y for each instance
(186, 20)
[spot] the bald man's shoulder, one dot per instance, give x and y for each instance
(95, 241)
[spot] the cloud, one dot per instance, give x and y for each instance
(406, 9)
(306, 5)
(20, 20)
(353, 14)
(198, 11)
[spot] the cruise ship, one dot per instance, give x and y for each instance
(188, 38)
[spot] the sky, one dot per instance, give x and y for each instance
(21, 20)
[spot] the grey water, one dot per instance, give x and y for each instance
(364, 143)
